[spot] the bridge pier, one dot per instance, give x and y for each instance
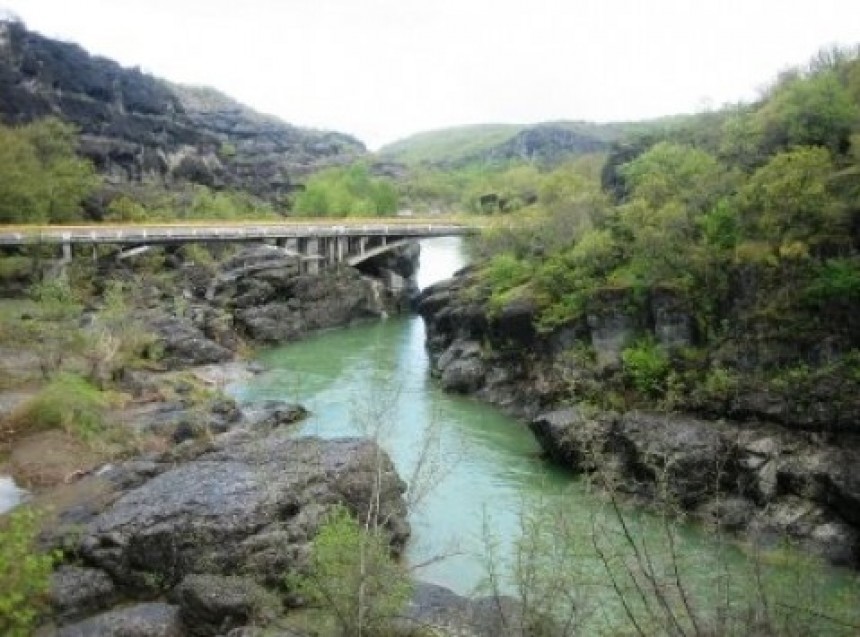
(312, 253)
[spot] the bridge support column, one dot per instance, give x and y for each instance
(312, 250)
(67, 251)
(342, 248)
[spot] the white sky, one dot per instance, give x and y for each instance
(383, 69)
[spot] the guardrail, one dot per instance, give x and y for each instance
(180, 233)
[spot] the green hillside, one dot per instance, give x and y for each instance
(449, 144)
(546, 143)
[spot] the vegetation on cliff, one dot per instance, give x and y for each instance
(140, 131)
(746, 219)
(348, 191)
(42, 180)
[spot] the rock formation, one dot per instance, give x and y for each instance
(780, 473)
(138, 128)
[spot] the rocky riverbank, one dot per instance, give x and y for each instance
(209, 528)
(206, 313)
(195, 533)
(766, 469)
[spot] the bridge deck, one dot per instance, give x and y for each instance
(189, 233)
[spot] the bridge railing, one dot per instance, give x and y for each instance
(187, 233)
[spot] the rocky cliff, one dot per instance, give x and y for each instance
(771, 466)
(138, 128)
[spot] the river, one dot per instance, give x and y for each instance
(479, 465)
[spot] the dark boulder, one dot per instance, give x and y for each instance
(216, 604)
(141, 620)
(246, 503)
(184, 344)
(78, 591)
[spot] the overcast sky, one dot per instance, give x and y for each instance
(383, 69)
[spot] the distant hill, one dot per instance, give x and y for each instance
(548, 142)
(138, 128)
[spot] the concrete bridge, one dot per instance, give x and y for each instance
(315, 242)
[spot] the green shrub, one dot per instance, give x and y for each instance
(348, 191)
(24, 573)
(720, 383)
(69, 403)
(837, 279)
(505, 271)
(353, 576)
(646, 366)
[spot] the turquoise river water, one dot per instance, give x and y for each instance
(479, 467)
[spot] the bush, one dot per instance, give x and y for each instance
(837, 279)
(353, 576)
(349, 191)
(646, 365)
(24, 573)
(69, 403)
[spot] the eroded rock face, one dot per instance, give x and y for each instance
(748, 478)
(138, 128)
(216, 604)
(249, 505)
(185, 344)
(439, 609)
(78, 591)
(272, 301)
(152, 619)
(311, 302)
(214, 525)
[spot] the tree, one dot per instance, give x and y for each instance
(813, 111)
(672, 172)
(349, 191)
(41, 177)
(789, 198)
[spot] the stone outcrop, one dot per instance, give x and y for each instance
(139, 129)
(79, 591)
(248, 504)
(547, 143)
(215, 525)
(442, 611)
(216, 604)
(753, 478)
(152, 619)
(272, 301)
(261, 293)
(769, 477)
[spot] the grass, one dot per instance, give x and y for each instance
(68, 403)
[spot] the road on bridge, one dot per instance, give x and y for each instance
(205, 231)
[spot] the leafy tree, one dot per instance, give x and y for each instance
(350, 191)
(789, 198)
(125, 209)
(41, 177)
(671, 172)
(814, 111)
